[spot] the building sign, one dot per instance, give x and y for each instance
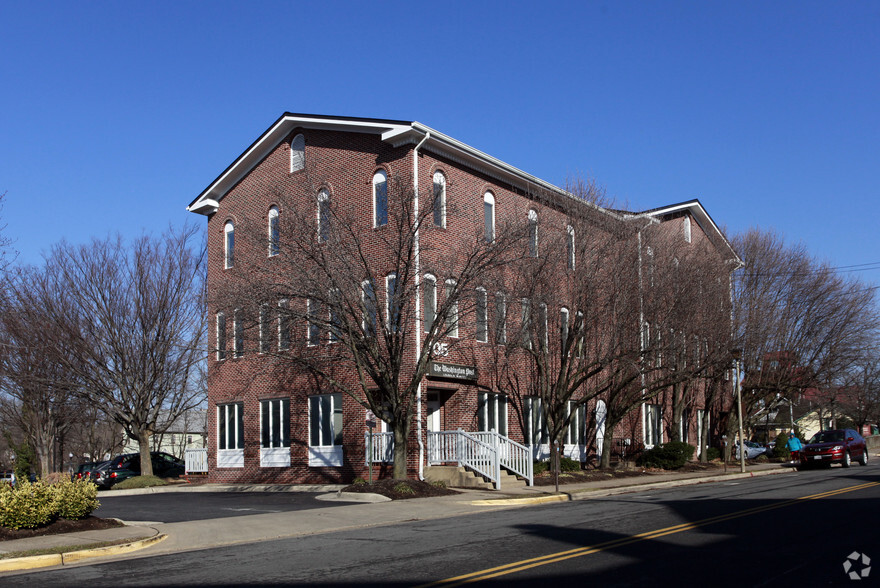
(452, 371)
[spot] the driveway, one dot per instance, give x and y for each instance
(176, 507)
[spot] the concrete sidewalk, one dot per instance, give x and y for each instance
(155, 539)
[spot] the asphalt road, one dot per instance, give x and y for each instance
(792, 530)
(175, 507)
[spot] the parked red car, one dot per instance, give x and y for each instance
(841, 446)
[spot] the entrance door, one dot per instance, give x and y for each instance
(433, 413)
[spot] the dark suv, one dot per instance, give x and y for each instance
(841, 446)
(129, 465)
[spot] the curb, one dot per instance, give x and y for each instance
(60, 559)
(588, 494)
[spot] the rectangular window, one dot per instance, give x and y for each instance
(392, 303)
(238, 333)
(325, 430)
(563, 330)
(230, 422)
(526, 323)
(652, 425)
(569, 242)
(452, 317)
(430, 301)
(335, 322)
(265, 337)
(482, 316)
(500, 318)
(542, 326)
(575, 434)
(283, 325)
(492, 413)
(314, 329)
(368, 302)
(221, 336)
(275, 423)
(536, 432)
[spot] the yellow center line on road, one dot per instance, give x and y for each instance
(582, 551)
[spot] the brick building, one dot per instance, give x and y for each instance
(402, 191)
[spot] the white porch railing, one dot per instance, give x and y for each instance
(196, 461)
(483, 452)
(382, 446)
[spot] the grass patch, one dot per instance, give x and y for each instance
(62, 549)
(140, 482)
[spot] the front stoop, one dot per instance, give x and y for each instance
(460, 477)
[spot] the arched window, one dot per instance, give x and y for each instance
(439, 199)
(563, 329)
(229, 244)
(380, 199)
(323, 216)
(430, 301)
(273, 232)
(489, 216)
(686, 229)
(533, 233)
(297, 153)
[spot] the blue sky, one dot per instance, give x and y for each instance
(114, 116)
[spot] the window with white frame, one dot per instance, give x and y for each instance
(237, 333)
(500, 318)
(536, 432)
(575, 434)
(452, 316)
(649, 266)
(265, 336)
(430, 301)
(275, 432)
(323, 216)
(283, 325)
(489, 217)
(380, 199)
(653, 435)
(325, 430)
(686, 228)
(569, 244)
(313, 334)
(221, 336)
(525, 324)
(274, 232)
(392, 303)
(482, 315)
(297, 153)
(439, 199)
(228, 244)
(370, 308)
(533, 233)
(230, 435)
(563, 329)
(492, 413)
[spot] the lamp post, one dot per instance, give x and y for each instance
(737, 354)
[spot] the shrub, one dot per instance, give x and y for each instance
(669, 456)
(403, 488)
(359, 482)
(780, 450)
(27, 506)
(539, 467)
(713, 453)
(140, 482)
(76, 499)
(566, 464)
(438, 484)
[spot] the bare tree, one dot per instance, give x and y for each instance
(355, 292)
(130, 326)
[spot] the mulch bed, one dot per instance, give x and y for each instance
(597, 475)
(60, 526)
(401, 489)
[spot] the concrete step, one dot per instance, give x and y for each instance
(460, 477)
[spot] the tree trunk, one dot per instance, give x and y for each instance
(143, 438)
(400, 449)
(605, 461)
(704, 438)
(677, 411)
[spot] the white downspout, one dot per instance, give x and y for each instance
(418, 269)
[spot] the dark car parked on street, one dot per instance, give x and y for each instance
(128, 465)
(841, 446)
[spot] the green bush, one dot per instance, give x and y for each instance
(539, 467)
(139, 482)
(403, 488)
(27, 506)
(76, 499)
(780, 450)
(566, 464)
(713, 453)
(669, 456)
